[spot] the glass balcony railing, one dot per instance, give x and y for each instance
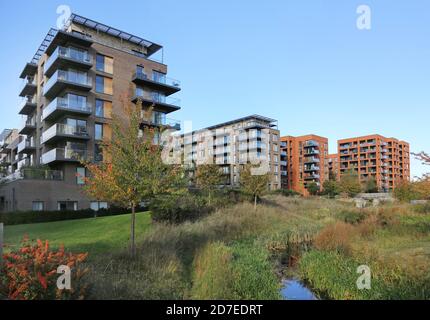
(64, 154)
(26, 143)
(79, 78)
(311, 143)
(156, 97)
(64, 129)
(162, 79)
(74, 54)
(65, 103)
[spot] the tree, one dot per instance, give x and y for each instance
(132, 169)
(370, 185)
(349, 183)
(331, 188)
(313, 188)
(208, 177)
(253, 184)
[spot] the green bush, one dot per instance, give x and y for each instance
(25, 217)
(179, 208)
(352, 216)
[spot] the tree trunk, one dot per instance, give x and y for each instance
(255, 202)
(133, 228)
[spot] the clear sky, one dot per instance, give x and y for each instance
(303, 62)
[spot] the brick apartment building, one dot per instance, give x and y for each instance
(234, 143)
(333, 165)
(304, 160)
(387, 160)
(73, 85)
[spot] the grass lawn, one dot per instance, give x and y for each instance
(93, 235)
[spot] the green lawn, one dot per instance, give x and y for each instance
(93, 235)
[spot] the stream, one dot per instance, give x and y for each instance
(293, 289)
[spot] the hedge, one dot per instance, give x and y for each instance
(24, 217)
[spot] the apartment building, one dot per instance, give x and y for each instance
(232, 144)
(387, 160)
(305, 160)
(9, 156)
(333, 165)
(78, 78)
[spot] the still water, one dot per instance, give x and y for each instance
(292, 289)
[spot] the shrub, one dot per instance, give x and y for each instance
(335, 237)
(349, 184)
(25, 217)
(370, 185)
(31, 273)
(387, 217)
(406, 191)
(331, 188)
(352, 216)
(313, 188)
(178, 208)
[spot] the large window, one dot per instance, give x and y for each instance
(38, 206)
(78, 126)
(104, 85)
(98, 131)
(104, 64)
(103, 108)
(98, 153)
(97, 205)
(67, 205)
(80, 175)
(158, 77)
(76, 102)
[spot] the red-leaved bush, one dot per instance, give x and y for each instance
(30, 273)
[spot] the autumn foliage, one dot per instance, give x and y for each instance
(30, 273)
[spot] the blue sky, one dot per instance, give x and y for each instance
(303, 62)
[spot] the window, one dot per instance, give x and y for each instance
(98, 131)
(104, 64)
(104, 85)
(98, 153)
(38, 206)
(76, 102)
(103, 108)
(97, 205)
(79, 127)
(67, 205)
(80, 175)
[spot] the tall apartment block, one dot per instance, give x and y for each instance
(387, 160)
(78, 78)
(333, 166)
(231, 145)
(305, 160)
(10, 158)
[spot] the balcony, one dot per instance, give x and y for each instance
(61, 80)
(311, 152)
(312, 177)
(28, 127)
(160, 102)
(283, 163)
(283, 153)
(252, 146)
(311, 168)
(311, 143)
(222, 150)
(312, 160)
(284, 173)
(29, 88)
(30, 69)
(160, 83)
(61, 131)
(60, 154)
(63, 105)
(29, 105)
(66, 57)
(26, 146)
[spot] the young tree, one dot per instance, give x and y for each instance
(253, 184)
(313, 188)
(132, 170)
(331, 188)
(370, 185)
(208, 178)
(349, 183)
